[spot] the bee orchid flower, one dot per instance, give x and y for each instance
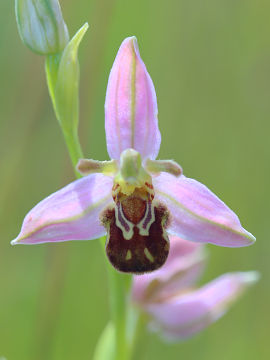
(175, 307)
(133, 198)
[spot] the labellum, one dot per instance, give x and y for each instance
(137, 241)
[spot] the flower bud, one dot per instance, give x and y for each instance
(41, 25)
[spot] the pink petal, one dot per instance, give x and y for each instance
(71, 213)
(182, 269)
(131, 105)
(198, 214)
(189, 313)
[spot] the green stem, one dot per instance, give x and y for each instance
(119, 288)
(74, 149)
(136, 323)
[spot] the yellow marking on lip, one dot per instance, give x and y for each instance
(148, 255)
(129, 255)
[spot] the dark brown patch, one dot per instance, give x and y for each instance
(156, 242)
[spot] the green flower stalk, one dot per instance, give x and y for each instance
(63, 82)
(41, 25)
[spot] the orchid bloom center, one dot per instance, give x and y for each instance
(132, 175)
(137, 241)
(136, 222)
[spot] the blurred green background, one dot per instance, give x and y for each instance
(210, 63)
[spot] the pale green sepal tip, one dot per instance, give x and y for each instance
(67, 83)
(250, 237)
(41, 25)
(251, 277)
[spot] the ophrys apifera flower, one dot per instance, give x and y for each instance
(133, 198)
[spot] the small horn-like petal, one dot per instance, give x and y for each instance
(71, 213)
(90, 166)
(131, 105)
(168, 166)
(198, 214)
(188, 313)
(185, 264)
